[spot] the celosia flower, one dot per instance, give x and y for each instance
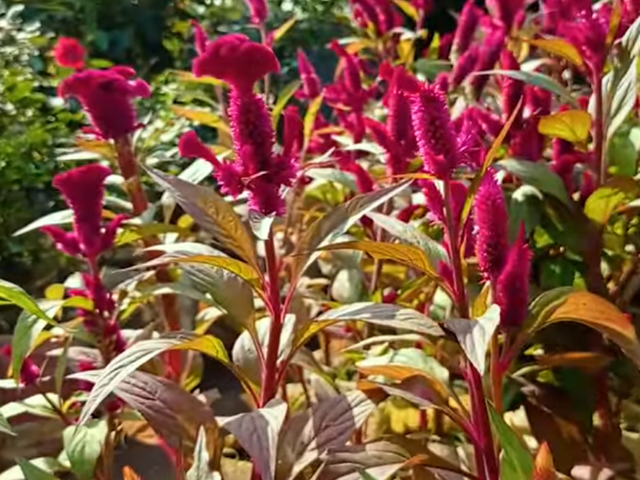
(396, 162)
(471, 149)
(505, 11)
(347, 163)
(442, 81)
(69, 53)
(388, 17)
(351, 71)
(491, 228)
(488, 56)
(538, 101)
(83, 190)
(490, 122)
(435, 201)
(526, 142)
(512, 287)
(311, 85)
(512, 90)
(106, 97)
(29, 372)
(445, 46)
(465, 65)
(293, 137)
(466, 29)
(399, 108)
(365, 14)
(259, 11)
(241, 63)
(435, 136)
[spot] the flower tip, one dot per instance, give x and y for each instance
(190, 146)
(70, 53)
(199, 37)
(92, 175)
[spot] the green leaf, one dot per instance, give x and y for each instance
(62, 217)
(631, 39)
(283, 99)
(536, 79)
(33, 472)
(36, 405)
(327, 229)
(602, 203)
(525, 208)
(27, 330)
(282, 30)
(415, 358)
(140, 353)
(475, 336)
(46, 464)
(83, 445)
(624, 93)
(516, 462)
(411, 235)
(345, 179)
(212, 213)
(537, 175)
(328, 425)
(200, 469)
(5, 426)
(172, 412)
(17, 296)
(258, 433)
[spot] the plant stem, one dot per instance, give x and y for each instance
(496, 374)
(486, 460)
(270, 370)
(129, 170)
(600, 163)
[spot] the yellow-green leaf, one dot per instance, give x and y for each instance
(284, 97)
(571, 125)
(281, 31)
(310, 118)
(200, 116)
(603, 202)
(408, 8)
(189, 77)
(561, 48)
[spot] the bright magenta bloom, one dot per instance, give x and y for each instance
(512, 89)
(311, 84)
(491, 228)
(259, 11)
(435, 135)
(465, 65)
(467, 24)
(69, 53)
(488, 56)
(512, 287)
(505, 11)
(106, 96)
(83, 190)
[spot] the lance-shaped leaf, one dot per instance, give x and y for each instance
(475, 335)
(560, 47)
(536, 79)
(516, 462)
(31, 471)
(327, 425)
(63, 217)
(5, 426)
(327, 229)
(83, 445)
(258, 433)
(285, 95)
(200, 470)
(137, 355)
(383, 314)
(623, 93)
(411, 235)
(537, 175)
(212, 213)
(17, 296)
(173, 413)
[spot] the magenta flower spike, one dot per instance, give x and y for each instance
(512, 89)
(399, 107)
(512, 287)
(365, 13)
(505, 11)
(258, 10)
(69, 53)
(491, 228)
(396, 162)
(106, 96)
(83, 190)
(435, 135)
(467, 25)
(311, 84)
(588, 31)
(465, 65)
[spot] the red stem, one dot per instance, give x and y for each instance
(270, 370)
(600, 163)
(485, 456)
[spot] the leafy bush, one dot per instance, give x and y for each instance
(430, 260)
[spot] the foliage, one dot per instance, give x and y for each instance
(429, 258)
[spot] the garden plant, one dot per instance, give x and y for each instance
(429, 265)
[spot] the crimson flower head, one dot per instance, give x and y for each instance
(69, 53)
(512, 89)
(106, 96)
(83, 190)
(259, 11)
(465, 65)
(491, 224)
(311, 85)
(505, 11)
(467, 24)
(512, 287)
(436, 138)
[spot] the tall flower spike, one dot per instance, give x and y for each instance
(69, 52)
(311, 85)
(512, 287)
(351, 73)
(259, 11)
(487, 58)
(512, 89)
(396, 161)
(435, 136)
(464, 66)
(106, 96)
(83, 190)
(505, 11)
(491, 223)
(466, 29)
(399, 107)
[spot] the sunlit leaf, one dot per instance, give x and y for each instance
(631, 39)
(212, 213)
(283, 99)
(330, 227)
(140, 353)
(623, 93)
(475, 336)
(560, 47)
(408, 8)
(570, 125)
(345, 179)
(327, 425)
(33, 472)
(258, 433)
(310, 118)
(63, 217)
(414, 358)
(536, 79)
(282, 30)
(17, 296)
(516, 462)
(602, 203)
(129, 474)
(200, 116)
(200, 470)
(83, 445)
(188, 77)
